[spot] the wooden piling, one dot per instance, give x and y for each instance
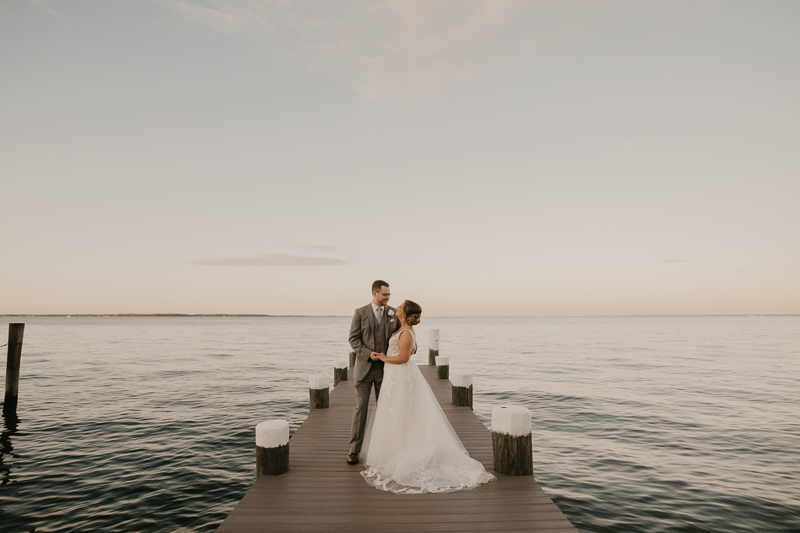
(461, 388)
(318, 393)
(339, 373)
(512, 443)
(15, 332)
(433, 346)
(272, 448)
(442, 367)
(352, 359)
(462, 396)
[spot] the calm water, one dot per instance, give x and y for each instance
(640, 424)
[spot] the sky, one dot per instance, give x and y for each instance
(486, 158)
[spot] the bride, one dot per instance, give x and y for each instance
(413, 448)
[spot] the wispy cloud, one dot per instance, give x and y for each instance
(397, 49)
(625, 148)
(44, 6)
(676, 260)
(271, 259)
(316, 247)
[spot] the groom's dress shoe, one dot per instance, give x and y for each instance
(352, 459)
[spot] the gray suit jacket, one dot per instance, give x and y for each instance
(362, 336)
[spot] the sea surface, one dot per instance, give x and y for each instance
(659, 424)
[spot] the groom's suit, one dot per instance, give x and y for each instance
(367, 335)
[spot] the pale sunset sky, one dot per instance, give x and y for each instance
(492, 158)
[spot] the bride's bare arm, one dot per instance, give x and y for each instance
(405, 344)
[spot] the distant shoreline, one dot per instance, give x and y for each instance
(174, 315)
(219, 315)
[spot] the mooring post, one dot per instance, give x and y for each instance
(352, 359)
(318, 393)
(339, 373)
(442, 367)
(462, 388)
(15, 332)
(272, 448)
(512, 442)
(433, 346)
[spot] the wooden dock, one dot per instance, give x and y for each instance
(321, 492)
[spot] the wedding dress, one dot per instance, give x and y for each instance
(413, 448)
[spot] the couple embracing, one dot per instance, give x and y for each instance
(413, 449)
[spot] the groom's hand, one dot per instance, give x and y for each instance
(375, 356)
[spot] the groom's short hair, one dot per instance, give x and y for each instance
(377, 284)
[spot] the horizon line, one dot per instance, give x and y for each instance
(257, 315)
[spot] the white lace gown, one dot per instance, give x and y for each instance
(413, 448)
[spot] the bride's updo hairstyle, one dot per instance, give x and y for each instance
(413, 312)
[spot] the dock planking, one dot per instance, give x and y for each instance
(321, 492)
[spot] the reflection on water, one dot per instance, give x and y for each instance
(640, 424)
(10, 422)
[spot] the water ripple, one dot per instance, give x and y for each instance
(640, 424)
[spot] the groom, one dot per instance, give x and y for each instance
(370, 331)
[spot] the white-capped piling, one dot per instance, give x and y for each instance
(272, 448)
(512, 442)
(433, 346)
(13, 361)
(318, 393)
(352, 359)
(339, 373)
(442, 367)
(462, 388)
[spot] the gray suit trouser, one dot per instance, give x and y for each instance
(363, 389)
